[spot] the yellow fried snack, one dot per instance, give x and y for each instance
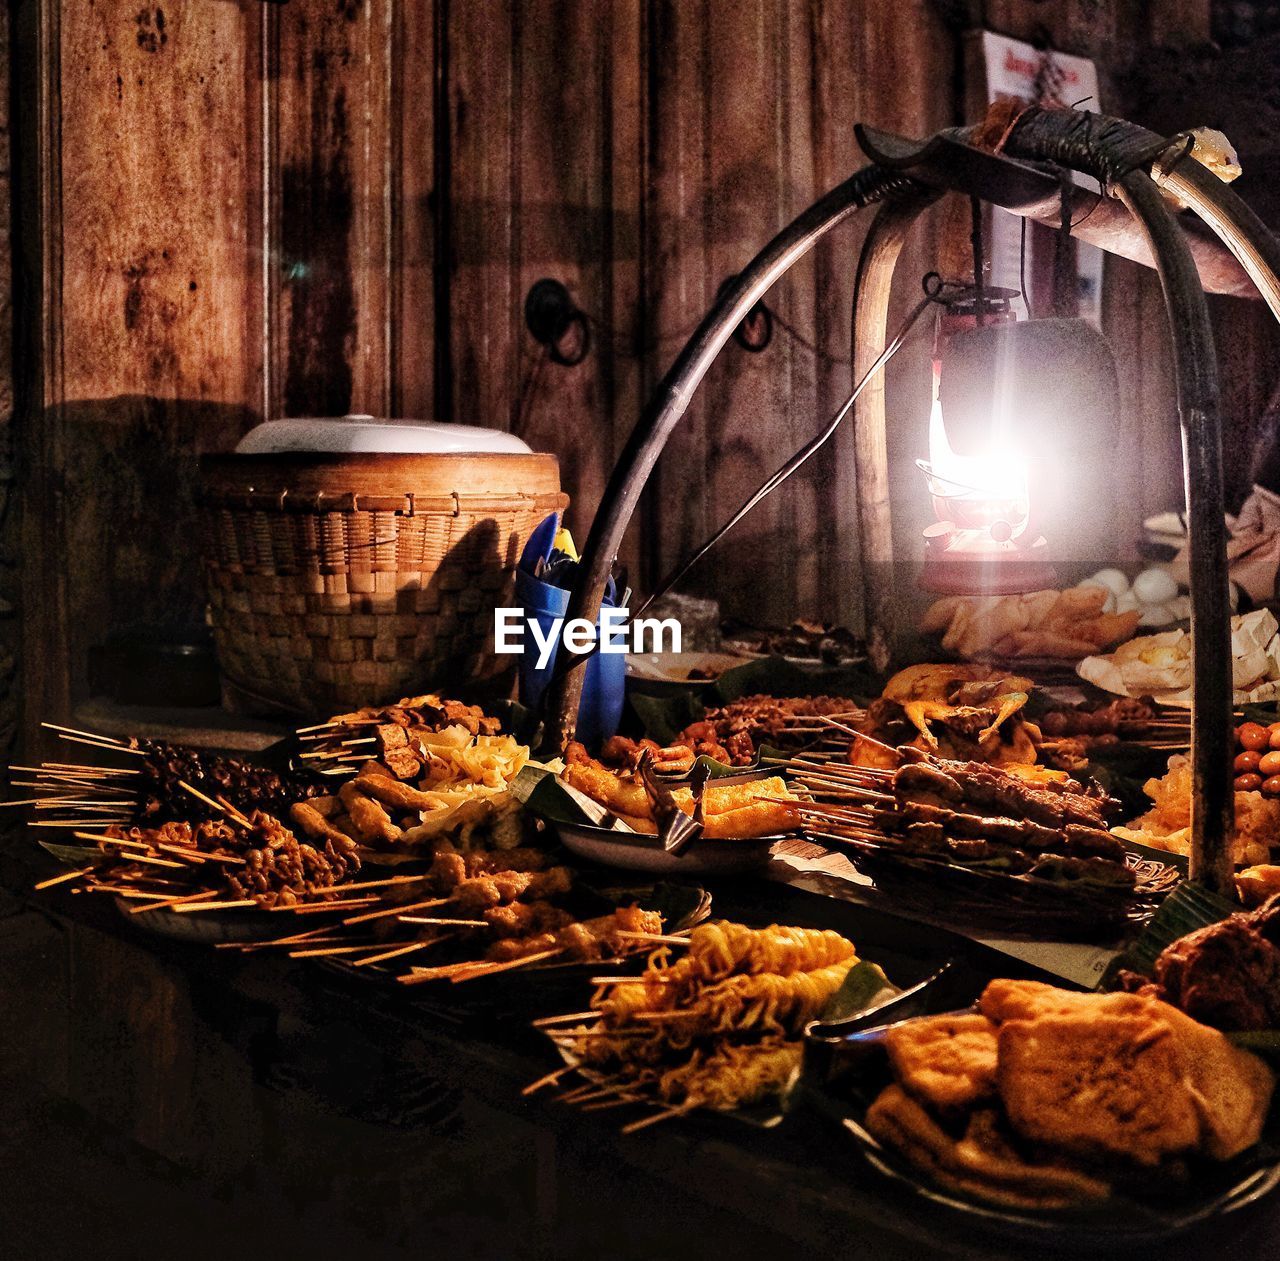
(1004, 999)
(615, 794)
(948, 1062)
(721, 799)
(732, 811)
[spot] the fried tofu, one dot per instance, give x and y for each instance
(947, 1062)
(1098, 1085)
(983, 1163)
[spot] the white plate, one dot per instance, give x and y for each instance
(674, 667)
(636, 852)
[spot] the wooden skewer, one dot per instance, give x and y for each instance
(419, 975)
(624, 1097)
(154, 862)
(98, 744)
(81, 771)
(549, 1080)
(62, 879)
(319, 726)
(357, 885)
(75, 731)
(235, 814)
(658, 939)
(644, 977)
(170, 902)
(325, 950)
(545, 1021)
(457, 923)
(585, 1090)
(316, 908)
(230, 811)
(313, 934)
(187, 907)
(488, 969)
(402, 950)
(111, 840)
(397, 910)
(653, 1120)
(97, 821)
(67, 803)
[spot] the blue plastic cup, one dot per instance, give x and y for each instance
(605, 681)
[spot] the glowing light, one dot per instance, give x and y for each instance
(976, 491)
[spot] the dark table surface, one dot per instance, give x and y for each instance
(289, 1086)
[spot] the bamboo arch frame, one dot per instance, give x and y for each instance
(906, 177)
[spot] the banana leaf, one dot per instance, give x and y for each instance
(1188, 907)
(865, 986)
(75, 855)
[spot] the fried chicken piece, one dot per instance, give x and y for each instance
(1226, 975)
(948, 1062)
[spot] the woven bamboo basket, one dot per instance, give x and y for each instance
(342, 580)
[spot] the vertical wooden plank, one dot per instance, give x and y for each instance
(676, 282)
(562, 229)
(483, 138)
(149, 338)
(333, 235)
(153, 229)
(415, 202)
(756, 406)
(834, 106)
(908, 87)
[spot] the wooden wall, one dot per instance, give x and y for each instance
(232, 209)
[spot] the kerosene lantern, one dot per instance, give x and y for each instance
(1021, 432)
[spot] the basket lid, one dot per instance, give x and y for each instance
(368, 435)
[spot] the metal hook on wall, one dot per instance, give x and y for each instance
(557, 322)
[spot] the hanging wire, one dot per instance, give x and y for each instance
(936, 290)
(1022, 268)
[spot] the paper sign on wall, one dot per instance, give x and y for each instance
(1018, 71)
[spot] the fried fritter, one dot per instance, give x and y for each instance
(948, 1062)
(1028, 1000)
(983, 1164)
(1098, 1085)
(1230, 1087)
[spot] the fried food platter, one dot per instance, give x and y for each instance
(852, 958)
(850, 1079)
